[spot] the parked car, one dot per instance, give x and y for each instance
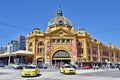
(67, 69)
(86, 67)
(18, 66)
(41, 66)
(30, 70)
(2, 65)
(119, 67)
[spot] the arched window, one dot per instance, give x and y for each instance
(41, 43)
(79, 43)
(61, 54)
(30, 46)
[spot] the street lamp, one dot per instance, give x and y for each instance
(10, 46)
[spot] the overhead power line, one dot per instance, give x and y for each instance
(106, 30)
(13, 26)
(101, 31)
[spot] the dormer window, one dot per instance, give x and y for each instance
(60, 23)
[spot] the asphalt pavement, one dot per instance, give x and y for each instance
(54, 74)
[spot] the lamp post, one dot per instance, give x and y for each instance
(10, 46)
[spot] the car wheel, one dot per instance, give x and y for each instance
(60, 71)
(36, 75)
(22, 76)
(64, 72)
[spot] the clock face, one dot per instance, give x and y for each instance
(61, 34)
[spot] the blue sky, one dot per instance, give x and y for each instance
(100, 18)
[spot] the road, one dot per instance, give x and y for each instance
(54, 74)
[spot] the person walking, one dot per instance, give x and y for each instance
(97, 67)
(94, 67)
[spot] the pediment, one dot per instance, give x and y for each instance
(64, 31)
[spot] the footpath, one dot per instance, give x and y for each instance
(80, 71)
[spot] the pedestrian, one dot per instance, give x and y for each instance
(97, 67)
(107, 67)
(103, 66)
(119, 67)
(94, 67)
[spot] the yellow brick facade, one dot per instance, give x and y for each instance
(60, 42)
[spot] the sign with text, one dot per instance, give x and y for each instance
(74, 49)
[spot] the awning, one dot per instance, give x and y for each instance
(4, 55)
(17, 53)
(21, 53)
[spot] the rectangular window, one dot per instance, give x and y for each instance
(40, 50)
(52, 40)
(67, 40)
(58, 40)
(63, 40)
(89, 58)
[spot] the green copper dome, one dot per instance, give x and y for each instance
(81, 30)
(59, 20)
(36, 28)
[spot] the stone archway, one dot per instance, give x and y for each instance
(61, 56)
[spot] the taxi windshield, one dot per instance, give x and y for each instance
(30, 67)
(67, 67)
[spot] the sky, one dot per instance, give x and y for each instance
(100, 18)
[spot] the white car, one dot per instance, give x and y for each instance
(15, 65)
(18, 66)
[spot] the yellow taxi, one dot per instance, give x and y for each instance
(67, 69)
(30, 70)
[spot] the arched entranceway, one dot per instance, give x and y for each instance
(61, 56)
